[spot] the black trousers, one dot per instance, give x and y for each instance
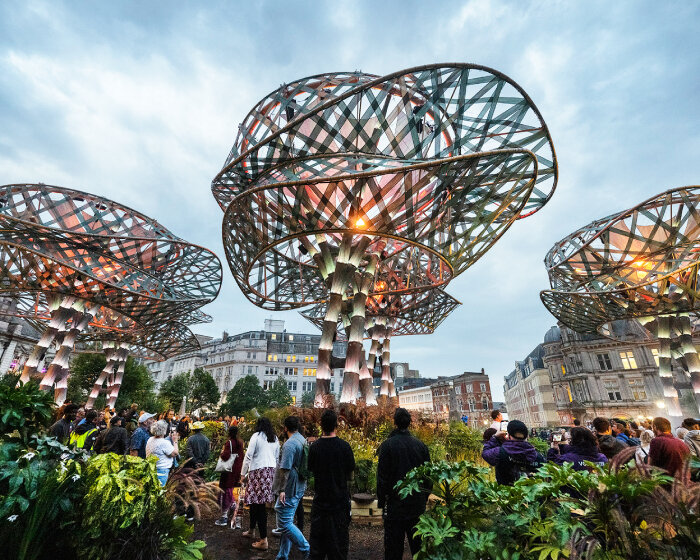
(395, 531)
(258, 518)
(329, 536)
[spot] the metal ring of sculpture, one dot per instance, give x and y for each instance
(340, 153)
(641, 264)
(97, 263)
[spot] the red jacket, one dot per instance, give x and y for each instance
(668, 452)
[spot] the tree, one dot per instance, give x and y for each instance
(137, 383)
(279, 394)
(203, 389)
(245, 395)
(175, 389)
(307, 399)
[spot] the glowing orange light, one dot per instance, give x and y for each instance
(379, 286)
(360, 223)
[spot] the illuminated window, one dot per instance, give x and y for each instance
(275, 358)
(638, 390)
(311, 358)
(563, 369)
(294, 358)
(294, 400)
(289, 358)
(655, 353)
(306, 359)
(628, 361)
(269, 357)
(273, 336)
(568, 391)
(291, 337)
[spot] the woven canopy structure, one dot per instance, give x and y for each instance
(85, 267)
(641, 265)
(338, 180)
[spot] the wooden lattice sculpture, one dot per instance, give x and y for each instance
(640, 264)
(84, 265)
(409, 177)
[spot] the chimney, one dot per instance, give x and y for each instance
(482, 371)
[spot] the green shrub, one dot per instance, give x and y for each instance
(24, 410)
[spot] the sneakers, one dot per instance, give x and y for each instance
(190, 518)
(276, 532)
(238, 523)
(222, 521)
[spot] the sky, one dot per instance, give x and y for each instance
(140, 102)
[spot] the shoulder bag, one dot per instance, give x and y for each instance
(226, 466)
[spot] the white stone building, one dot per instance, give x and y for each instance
(419, 399)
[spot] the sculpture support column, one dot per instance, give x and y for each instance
(366, 384)
(120, 357)
(110, 352)
(690, 353)
(386, 363)
(60, 312)
(671, 400)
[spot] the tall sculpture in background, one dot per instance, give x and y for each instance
(82, 266)
(640, 265)
(348, 186)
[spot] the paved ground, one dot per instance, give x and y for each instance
(224, 543)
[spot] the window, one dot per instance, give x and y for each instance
(250, 369)
(273, 336)
(292, 385)
(289, 358)
(604, 361)
(483, 386)
(269, 357)
(275, 358)
(568, 392)
(638, 390)
(306, 359)
(485, 404)
(563, 369)
(458, 389)
(291, 337)
(310, 372)
(471, 405)
(612, 387)
(628, 361)
(655, 353)
(294, 358)
(470, 388)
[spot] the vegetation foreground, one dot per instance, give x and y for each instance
(56, 502)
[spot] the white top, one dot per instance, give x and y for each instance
(260, 453)
(161, 448)
(496, 425)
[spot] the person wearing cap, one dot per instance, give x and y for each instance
(198, 447)
(141, 435)
(511, 453)
(114, 439)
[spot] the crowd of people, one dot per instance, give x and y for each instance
(274, 468)
(513, 456)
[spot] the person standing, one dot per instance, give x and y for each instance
(141, 435)
(692, 438)
(198, 447)
(229, 480)
(61, 430)
(85, 434)
(290, 487)
(332, 462)
(398, 454)
(258, 471)
(609, 445)
(666, 451)
(163, 449)
(511, 454)
(497, 418)
(114, 439)
(583, 448)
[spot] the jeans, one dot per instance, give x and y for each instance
(163, 475)
(395, 532)
(290, 533)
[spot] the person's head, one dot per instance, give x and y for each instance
(170, 414)
(264, 425)
(577, 422)
(496, 415)
(691, 424)
(489, 433)
(90, 416)
(646, 436)
(116, 421)
(329, 422)
(134, 406)
(146, 419)
(517, 430)
(159, 429)
(601, 426)
(681, 431)
(291, 425)
(70, 412)
(81, 413)
(634, 425)
(583, 437)
(402, 418)
(197, 427)
(233, 432)
(660, 425)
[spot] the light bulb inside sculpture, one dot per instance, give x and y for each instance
(360, 223)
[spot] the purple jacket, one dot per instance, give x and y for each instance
(518, 449)
(577, 455)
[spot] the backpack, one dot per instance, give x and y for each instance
(303, 468)
(79, 440)
(509, 468)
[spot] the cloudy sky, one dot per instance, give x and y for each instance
(140, 102)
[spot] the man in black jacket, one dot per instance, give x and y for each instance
(113, 440)
(400, 453)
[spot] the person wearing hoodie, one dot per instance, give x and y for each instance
(583, 447)
(692, 436)
(511, 454)
(609, 445)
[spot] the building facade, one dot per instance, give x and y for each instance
(417, 399)
(466, 395)
(529, 393)
(596, 376)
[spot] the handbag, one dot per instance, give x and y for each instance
(226, 466)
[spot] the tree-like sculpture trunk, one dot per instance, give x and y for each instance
(120, 357)
(367, 384)
(58, 370)
(60, 309)
(110, 354)
(355, 352)
(690, 353)
(386, 363)
(671, 400)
